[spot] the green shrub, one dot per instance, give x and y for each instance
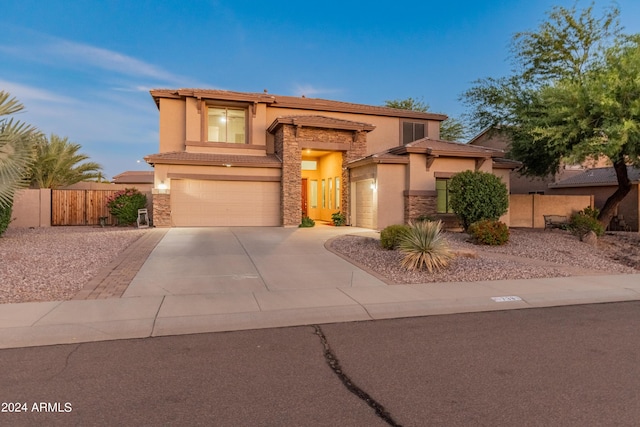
(5, 218)
(424, 246)
(390, 236)
(307, 222)
(488, 232)
(338, 219)
(478, 195)
(584, 221)
(124, 205)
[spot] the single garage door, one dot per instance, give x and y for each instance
(199, 203)
(364, 203)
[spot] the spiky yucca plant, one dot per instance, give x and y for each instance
(424, 247)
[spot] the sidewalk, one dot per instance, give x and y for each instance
(178, 281)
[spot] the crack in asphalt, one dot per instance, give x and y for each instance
(334, 364)
(66, 362)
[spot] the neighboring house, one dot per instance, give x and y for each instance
(495, 138)
(135, 178)
(256, 159)
(602, 183)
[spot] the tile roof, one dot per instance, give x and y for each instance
(213, 159)
(383, 157)
(439, 147)
(321, 122)
(302, 102)
(504, 163)
(134, 177)
(597, 177)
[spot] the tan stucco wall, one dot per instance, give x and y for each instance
(172, 125)
(422, 179)
(31, 208)
(193, 119)
(503, 174)
(390, 187)
(528, 210)
(386, 134)
(628, 208)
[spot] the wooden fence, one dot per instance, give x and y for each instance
(80, 207)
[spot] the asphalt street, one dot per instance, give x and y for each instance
(569, 366)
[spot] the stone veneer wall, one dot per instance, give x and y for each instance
(287, 147)
(161, 210)
(419, 204)
(288, 144)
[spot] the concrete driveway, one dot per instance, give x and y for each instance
(190, 261)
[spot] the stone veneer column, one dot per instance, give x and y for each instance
(161, 210)
(358, 150)
(287, 146)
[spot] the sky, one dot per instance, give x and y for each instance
(83, 69)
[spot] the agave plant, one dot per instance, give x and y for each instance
(425, 247)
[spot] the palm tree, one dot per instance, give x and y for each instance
(16, 149)
(59, 164)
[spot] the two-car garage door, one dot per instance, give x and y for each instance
(200, 203)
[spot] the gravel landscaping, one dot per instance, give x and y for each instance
(54, 263)
(529, 254)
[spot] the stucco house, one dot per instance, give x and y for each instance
(257, 159)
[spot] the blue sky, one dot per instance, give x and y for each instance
(83, 69)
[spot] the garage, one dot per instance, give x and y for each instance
(203, 203)
(365, 204)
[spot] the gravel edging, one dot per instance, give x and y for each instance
(529, 254)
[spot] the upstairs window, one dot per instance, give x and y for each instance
(412, 131)
(227, 125)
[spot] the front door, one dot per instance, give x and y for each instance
(304, 197)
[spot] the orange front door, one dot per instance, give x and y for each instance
(304, 197)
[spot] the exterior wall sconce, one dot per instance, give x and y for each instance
(163, 188)
(374, 186)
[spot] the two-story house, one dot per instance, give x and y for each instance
(257, 159)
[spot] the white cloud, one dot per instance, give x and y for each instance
(107, 60)
(26, 94)
(57, 52)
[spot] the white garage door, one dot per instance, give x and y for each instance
(364, 204)
(198, 203)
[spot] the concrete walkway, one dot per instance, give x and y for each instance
(194, 280)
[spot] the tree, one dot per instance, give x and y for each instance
(574, 95)
(451, 129)
(477, 196)
(16, 149)
(59, 164)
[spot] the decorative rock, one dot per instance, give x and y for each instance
(464, 253)
(590, 238)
